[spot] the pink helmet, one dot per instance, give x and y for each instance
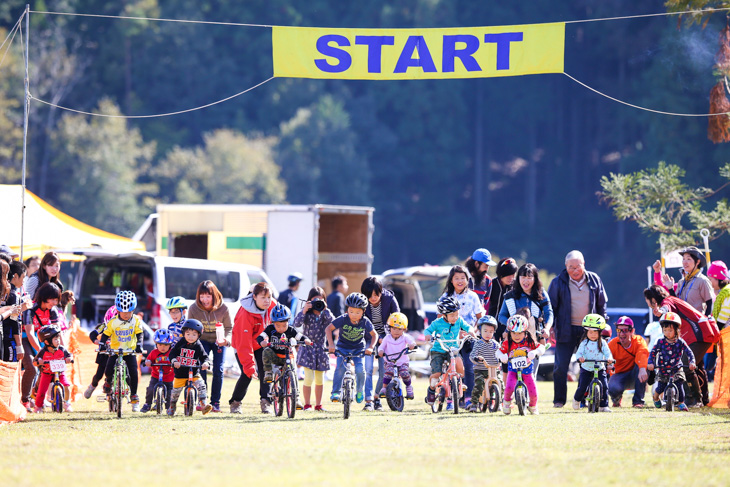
(626, 321)
(110, 313)
(718, 270)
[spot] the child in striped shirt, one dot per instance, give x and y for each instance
(483, 356)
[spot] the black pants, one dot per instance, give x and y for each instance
(563, 353)
(697, 379)
(133, 377)
(239, 392)
(584, 380)
(8, 353)
(151, 391)
(100, 368)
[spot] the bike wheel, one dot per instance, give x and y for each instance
(521, 398)
(669, 398)
(118, 389)
(346, 397)
(57, 398)
(455, 393)
(190, 400)
(290, 393)
(594, 398)
(394, 396)
(495, 398)
(160, 393)
(438, 402)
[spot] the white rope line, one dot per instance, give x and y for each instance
(644, 108)
(235, 24)
(154, 115)
(14, 31)
(11, 31)
(641, 16)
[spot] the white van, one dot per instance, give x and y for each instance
(154, 280)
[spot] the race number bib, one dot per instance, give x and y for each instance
(519, 363)
(57, 365)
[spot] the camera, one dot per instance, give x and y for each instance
(318, 305)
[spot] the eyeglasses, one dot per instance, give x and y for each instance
(624, 330)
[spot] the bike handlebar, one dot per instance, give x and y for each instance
(393, 357)
(349, 356)
(117, 351)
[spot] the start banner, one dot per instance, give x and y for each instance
(395, 54)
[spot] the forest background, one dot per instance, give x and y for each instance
(512, 164)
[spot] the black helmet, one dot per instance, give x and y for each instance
(447, 305)
(192, 325)
(47, 332)
(356, 300)
(698, 256)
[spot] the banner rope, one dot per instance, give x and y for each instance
(12, 32)
(644, 108)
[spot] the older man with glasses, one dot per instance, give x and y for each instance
(631, 355)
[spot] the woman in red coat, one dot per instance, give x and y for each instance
(698, 330)
(250, 321)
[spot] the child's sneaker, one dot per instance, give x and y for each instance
(171, 410)
(89, 391)
(430, 396)
(300, 405)
(604, 410)
(268, 377)
(38, 409)
(473, 408)
(368, 406)
(449, 405)
(359, 397)
(682, 407)
(533, 410)
(335, 397)
(319, 408)
(576, 404)
(377, 405)
(658, 404)
(207, 408)
(135, 403)
(235, 407)
(106, 388)
(145, 408)
(409, 392)
(27, 406)
(67, 406)
(506, 408)
(307, 407)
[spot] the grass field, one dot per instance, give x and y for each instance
(559, 447)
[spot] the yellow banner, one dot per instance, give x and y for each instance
(385, 54)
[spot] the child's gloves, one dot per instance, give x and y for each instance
(502, 357)
(138, 349)
(531, 355)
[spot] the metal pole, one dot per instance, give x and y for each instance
(25, 128)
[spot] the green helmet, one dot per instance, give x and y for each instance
(176, 302)
(594, 322)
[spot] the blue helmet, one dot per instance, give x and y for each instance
(483, 255)
(163, 337)
(125, 301)
(280, 313)
(487, 320)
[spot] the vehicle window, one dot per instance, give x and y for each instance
(432, 289)
(106, 278)
(183, 281)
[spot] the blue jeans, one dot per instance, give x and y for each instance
(563, 353)
(219, 354)
(340, 372)
(468, 373)
(369, 362)
(618, 383)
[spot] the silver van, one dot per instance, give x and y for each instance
(154, 280)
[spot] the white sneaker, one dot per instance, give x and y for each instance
(604, 410)
(506, 408)
(67, 406)
(576, 404)
(89, 391)
(135, 407)
(533, 410)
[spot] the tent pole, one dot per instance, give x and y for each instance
(25, 127)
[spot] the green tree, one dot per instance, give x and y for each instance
(659, 202)
(319, 157)
(96, 170)
(229, 168)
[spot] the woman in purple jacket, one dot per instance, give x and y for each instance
(381, 305)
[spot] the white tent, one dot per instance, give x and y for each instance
(46, 228)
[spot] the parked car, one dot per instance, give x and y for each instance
(413, 287)
(154, 280)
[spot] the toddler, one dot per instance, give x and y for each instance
(668, 351)
(188, 353)
(159, 358)
(592, 347)
(52, 350)
(393, 344)
(483, 356)
(177, 307)
(277, 332)
(519, 343)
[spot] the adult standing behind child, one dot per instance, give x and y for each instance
(251, 319)
(313, 320)
(381, 304)
(209, 309)
(694, 287)
(336, 299)
(479, 282)
(506, 271)
(288, 297)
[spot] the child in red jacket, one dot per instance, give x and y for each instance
(51, 351)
